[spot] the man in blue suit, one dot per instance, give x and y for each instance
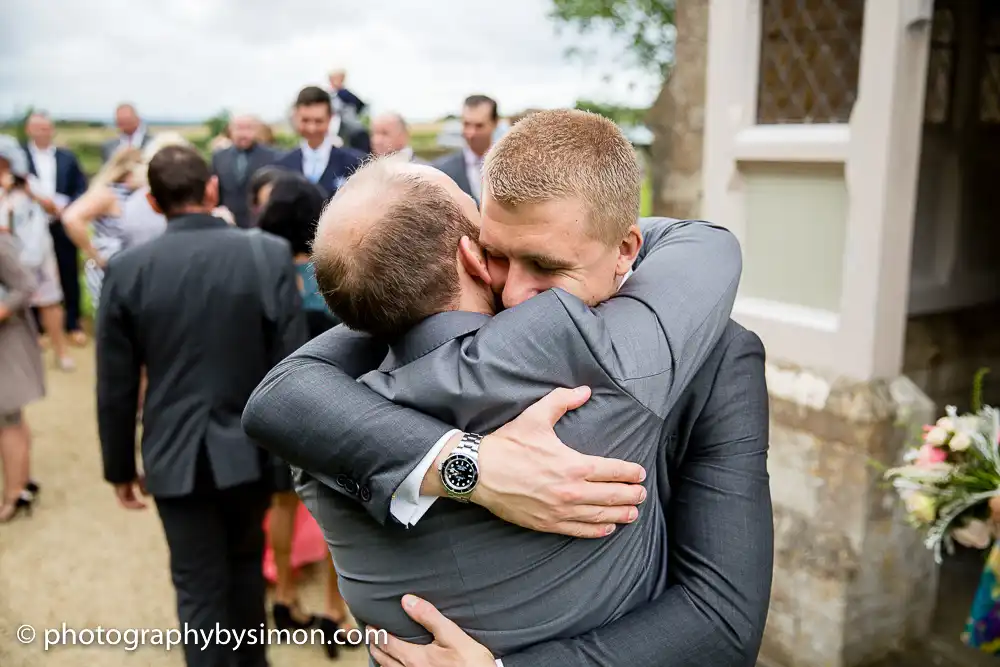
(59, 172)
(320, 157)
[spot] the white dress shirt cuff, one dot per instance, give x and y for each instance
(407, 505)
(499, 662)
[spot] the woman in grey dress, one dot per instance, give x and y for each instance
(23, 379)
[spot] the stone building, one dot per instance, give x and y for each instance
(853, 147)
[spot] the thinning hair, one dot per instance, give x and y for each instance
(551, 155)
(385, 253)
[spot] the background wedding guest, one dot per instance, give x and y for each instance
(480, 117)
(59, 171)
(101, 210)
(391, 135)
(234, 166)
(318, 156)
(23, 380)
(132, 132)
(215, 309)
(24, 212)
(345, 103)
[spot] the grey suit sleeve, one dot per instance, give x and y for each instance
(310, 411)
(669, 315)
(722, 541)
(118, 372)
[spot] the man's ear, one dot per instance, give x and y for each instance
(628, 250)
(212, 192)
(152, 203)
(472, 259)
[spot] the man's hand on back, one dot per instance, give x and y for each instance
(530, 478)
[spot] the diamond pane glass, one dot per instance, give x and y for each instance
(809, 60)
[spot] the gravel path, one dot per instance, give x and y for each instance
(82, 561)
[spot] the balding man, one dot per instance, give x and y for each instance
(132, 131)
(235, 165)
(391, 135)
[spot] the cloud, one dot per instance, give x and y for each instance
(191, 58)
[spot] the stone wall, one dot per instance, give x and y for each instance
(677, 118)
(852, 582)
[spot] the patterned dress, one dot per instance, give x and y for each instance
(109, 237)
(982, 631)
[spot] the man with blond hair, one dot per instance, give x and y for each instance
(677, 393)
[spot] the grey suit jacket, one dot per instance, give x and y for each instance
(233, 191)
(109, 147)
(192, 307)
(509, 586)
(453, 164)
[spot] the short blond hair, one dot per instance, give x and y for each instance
(552, 155)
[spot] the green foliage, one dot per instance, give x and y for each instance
(217, 124)
(647, 24)
(619, 114)
(977, 389)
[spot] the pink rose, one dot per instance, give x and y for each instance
(930, 455)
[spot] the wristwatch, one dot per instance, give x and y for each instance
(460, 469)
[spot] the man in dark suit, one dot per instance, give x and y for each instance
(345, 103)
(234, 166)
(207, 309)
(318, 157)
(712, 459)
(59, 171)
(132, 132)
(479, 122)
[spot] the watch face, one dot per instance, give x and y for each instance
(460, 474)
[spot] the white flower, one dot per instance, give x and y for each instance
(975, 534)
(929, 474)
(960, 441)
(921, 506)
(947, 423)
(937, 436)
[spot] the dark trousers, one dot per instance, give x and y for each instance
(216, 542)
(69, 274)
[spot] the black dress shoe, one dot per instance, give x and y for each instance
(329, 629)
(284, 620)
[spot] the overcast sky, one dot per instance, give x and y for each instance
(185, 59)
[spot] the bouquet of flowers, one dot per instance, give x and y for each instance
(949, 479)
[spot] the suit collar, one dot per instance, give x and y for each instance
(195, 221)
(429, 335)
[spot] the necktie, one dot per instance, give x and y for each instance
(314, 168)
(241, 166)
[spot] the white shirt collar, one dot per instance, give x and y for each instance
(136, 138)
(624, 278)
(471, 159)
(323, 150)
(35, 150)
(407, 152)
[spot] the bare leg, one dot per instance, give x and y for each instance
(16, 457)
(53, 322)
(284, 507)
(143, 383)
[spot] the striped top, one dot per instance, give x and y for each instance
(109, 232)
